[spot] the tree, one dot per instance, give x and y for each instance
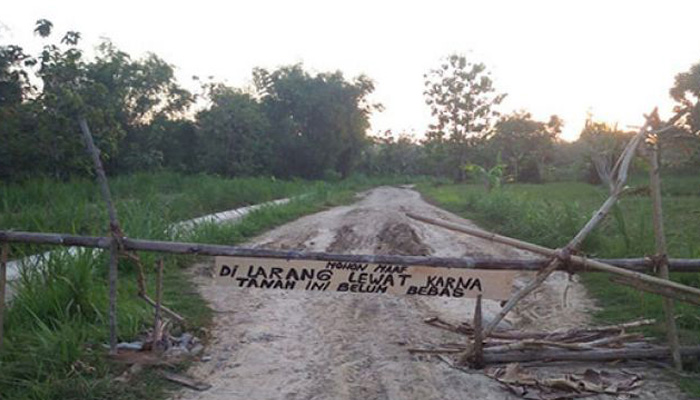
(525, 144)
(233, 134)
(682, 145)
(686, 92)
(319, 122)
(43, 27)
(461, 97)
(388, 155)
(602, 144)
(119, 96)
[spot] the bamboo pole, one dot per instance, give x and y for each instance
(113, 279)
(101, 242)
(475, 353)
(590, 355)
(114, 229)
(587, 264)
(3, 284)
(661, 252)
(560, 334)
(94, 153)
(157, 325)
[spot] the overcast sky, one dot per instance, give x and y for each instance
(614, 59)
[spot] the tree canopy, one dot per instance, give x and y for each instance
(462, 101)
(293, 124)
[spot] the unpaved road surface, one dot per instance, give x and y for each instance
(269, 344)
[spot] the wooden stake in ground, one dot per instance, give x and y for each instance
(157, 324)
(115, 232)
(475, 357)
(661, 254)
(3, 283)
(113, 278)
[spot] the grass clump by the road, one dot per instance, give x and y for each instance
(551, 214)
(56, 326)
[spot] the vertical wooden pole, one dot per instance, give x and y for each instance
(114, 229)
(661, 253)
(94, 153)
(113, 278)
(474, 355)
(3, 284)
(157, 325)
(478, 335)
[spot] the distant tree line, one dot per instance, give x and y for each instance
(290, 123)
(468, 131)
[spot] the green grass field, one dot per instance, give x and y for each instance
(551, 214)
(56, 326)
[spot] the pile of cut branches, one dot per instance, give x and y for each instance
(602, 343)
(505, 353)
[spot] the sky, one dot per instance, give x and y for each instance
(615, 60)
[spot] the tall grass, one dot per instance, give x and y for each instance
(56, 326)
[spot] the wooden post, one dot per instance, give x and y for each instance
(478, 359)
(157, 324)
(94, 153)
(474, 353)
(113, 278)
(3, 283)
(114, 229)
(661, 252)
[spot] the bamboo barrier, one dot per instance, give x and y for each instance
(565, 254)
(670, 288)
(202, 249)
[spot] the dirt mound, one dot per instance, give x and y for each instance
(401, 239)
(345, 239)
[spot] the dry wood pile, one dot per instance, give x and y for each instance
(621, 384)
(603, 343)
(506, 353)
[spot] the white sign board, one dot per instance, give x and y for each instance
(339, 276)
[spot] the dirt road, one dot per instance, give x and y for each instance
(299, 345)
